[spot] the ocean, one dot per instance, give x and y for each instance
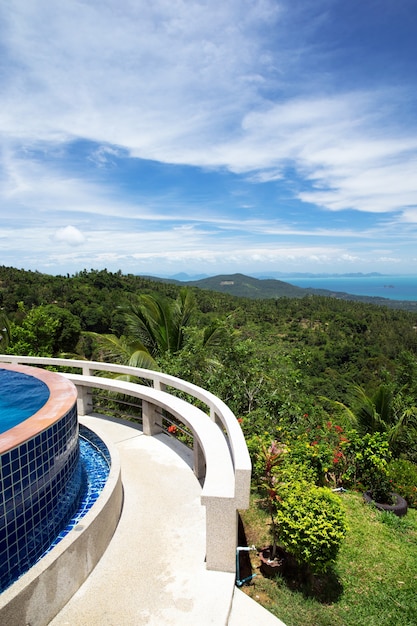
(391, 286)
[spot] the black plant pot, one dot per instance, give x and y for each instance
(284, 562)
(399, 507)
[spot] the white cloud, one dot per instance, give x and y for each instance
(410, 215)
(182, 82)
(104, 156)
(69, 235)
(148, 76)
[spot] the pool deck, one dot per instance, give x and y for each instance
(153, 571)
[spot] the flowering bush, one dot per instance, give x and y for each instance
(322, 449)
(305, 519)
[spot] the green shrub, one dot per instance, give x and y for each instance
(403, 476)
(367, 464)
(311, 525)
(321, 448)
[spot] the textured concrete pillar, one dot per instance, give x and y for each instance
(84, 400)
(150, 418)
(221, 534)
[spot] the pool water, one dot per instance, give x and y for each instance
(95, 463)
(20, 397)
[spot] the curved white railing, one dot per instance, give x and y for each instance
(217, 437)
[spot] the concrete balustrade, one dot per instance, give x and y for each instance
(221, 458)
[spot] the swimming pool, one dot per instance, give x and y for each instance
(20, 397)
(41, 476)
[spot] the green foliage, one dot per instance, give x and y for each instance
(159, 323)
(311, 525)
(305, 519)
(68, 329)
(122, 350)
(322, 449)
(390, 409)
(44, 331)
(373, 582)
(403, 474)
(269, 459)
(290, 351)
(368, 458)
(4, 331)
(398, 524)
(35, 336)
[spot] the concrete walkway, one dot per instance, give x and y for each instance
(153, 571)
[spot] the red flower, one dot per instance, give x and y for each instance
(337, 456)
(240, 420)
(172, 429)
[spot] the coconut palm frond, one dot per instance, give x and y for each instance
(160, 323)
(342, 407)
(119, 349)
(142, 358)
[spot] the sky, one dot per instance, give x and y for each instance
(208, 136)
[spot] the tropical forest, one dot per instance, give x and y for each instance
(325, 391)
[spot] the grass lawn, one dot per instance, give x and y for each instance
(373, 583)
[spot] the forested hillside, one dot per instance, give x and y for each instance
(307, 346)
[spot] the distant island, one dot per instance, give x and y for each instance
(245, 286)
(323, 275)
(184, 277)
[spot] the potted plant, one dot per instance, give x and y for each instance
(370, 457)
(307, 522)
(270, 458)
(379, 493)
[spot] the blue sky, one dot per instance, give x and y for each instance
(211, 136)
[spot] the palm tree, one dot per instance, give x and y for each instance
(159, 330)
(158, 323)
(383, 412)
(124, 350)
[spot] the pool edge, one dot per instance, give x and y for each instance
(62, 396)
(38, 596)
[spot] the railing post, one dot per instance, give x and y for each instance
(158, 384)
(149, 417)
(84, 400)
(199, 461)
(216, 419)
(221, 533)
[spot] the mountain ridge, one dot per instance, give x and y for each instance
(244, 286)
